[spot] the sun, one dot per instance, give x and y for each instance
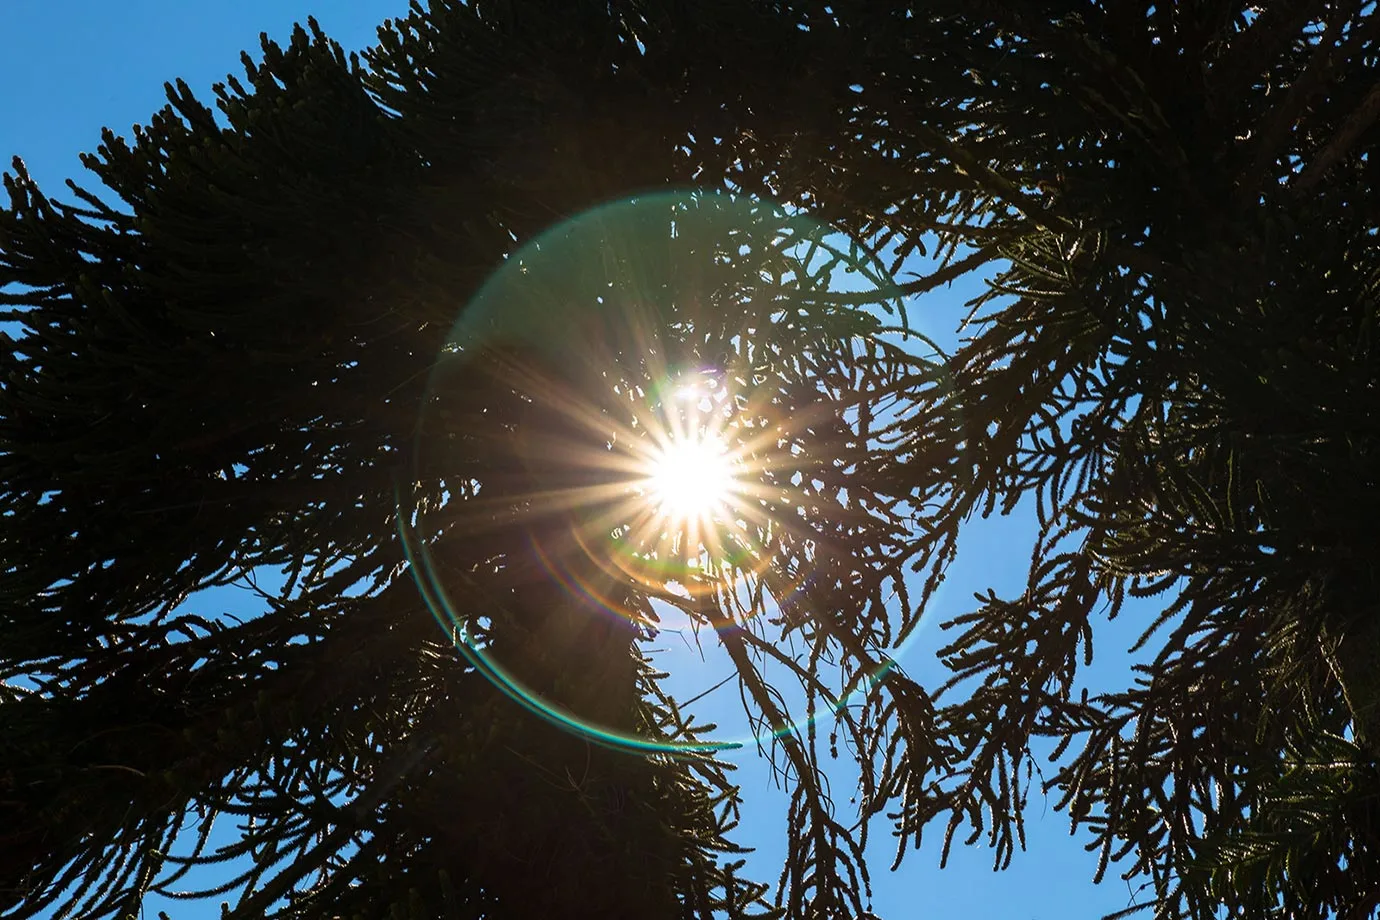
(691, 478)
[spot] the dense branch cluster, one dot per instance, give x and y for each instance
(216, 365)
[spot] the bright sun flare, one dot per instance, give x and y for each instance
(691, 477)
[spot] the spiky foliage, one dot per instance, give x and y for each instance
(1175, 364)
(219, 372)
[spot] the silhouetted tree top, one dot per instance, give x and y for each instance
(220, 361)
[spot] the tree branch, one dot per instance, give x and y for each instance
(1280, 121)
(1336, 149)
(1246, 57)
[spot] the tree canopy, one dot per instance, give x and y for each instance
(225, 362)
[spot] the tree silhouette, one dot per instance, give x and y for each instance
(1176, 366)
(226, 373)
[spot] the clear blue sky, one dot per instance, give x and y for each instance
(73, 66)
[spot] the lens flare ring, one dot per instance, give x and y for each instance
(622, 449)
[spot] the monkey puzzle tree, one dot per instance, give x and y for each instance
(234, 370)
(238, 362)
(1176, 364)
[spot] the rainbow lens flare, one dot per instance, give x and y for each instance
(617, 478)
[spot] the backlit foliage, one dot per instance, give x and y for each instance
(219, 361)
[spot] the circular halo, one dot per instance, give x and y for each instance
(620, 450)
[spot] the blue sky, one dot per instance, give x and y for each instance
(73, 66)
